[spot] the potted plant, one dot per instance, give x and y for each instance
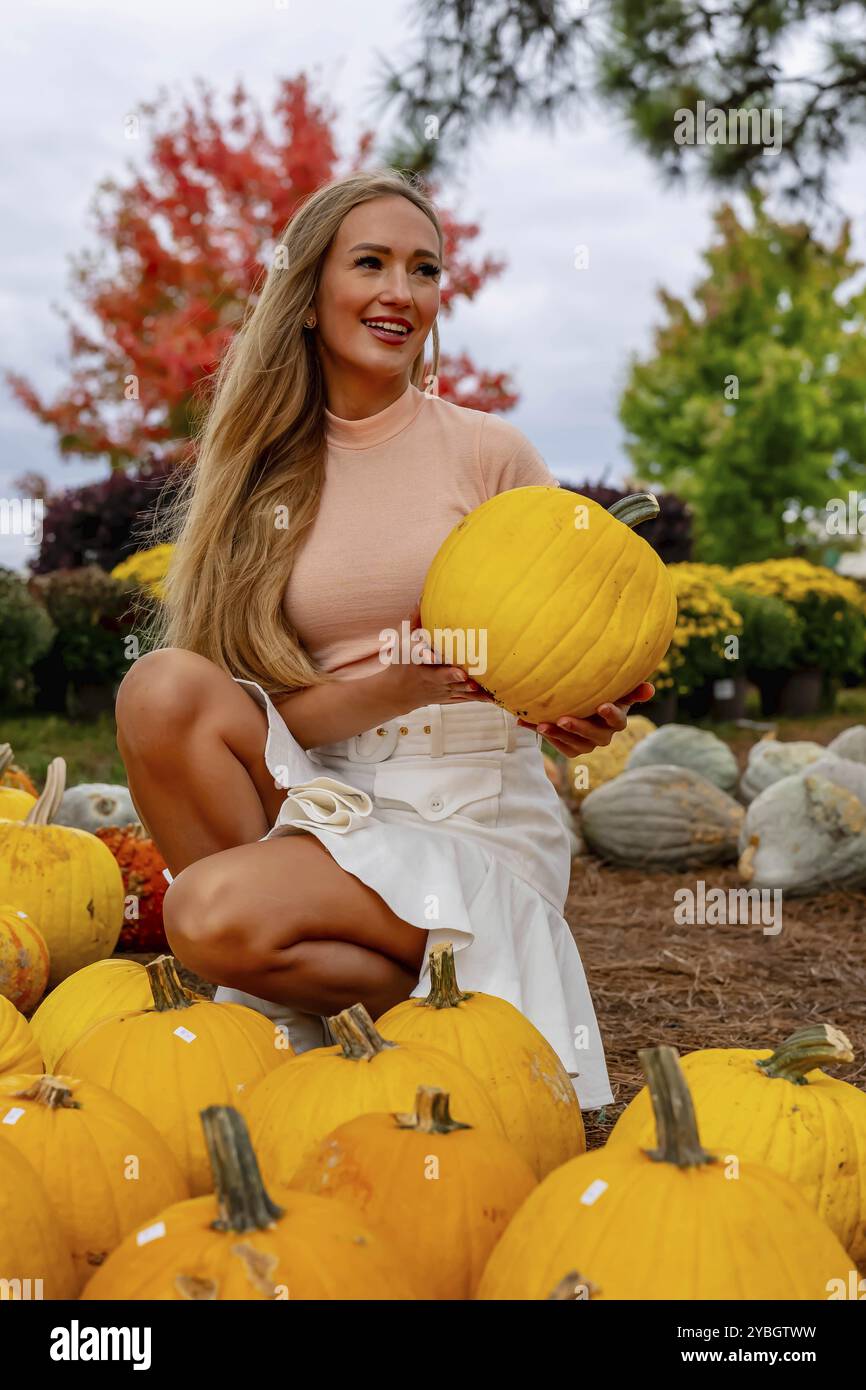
(771, 631)
(831, 616)
(696, 657)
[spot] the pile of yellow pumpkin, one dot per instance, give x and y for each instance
(175, 1148)
(61, 890)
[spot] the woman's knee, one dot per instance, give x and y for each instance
(162, 693)
(209, 921)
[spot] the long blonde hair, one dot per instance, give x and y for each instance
(261, 454)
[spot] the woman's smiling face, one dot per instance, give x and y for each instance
(384, 266)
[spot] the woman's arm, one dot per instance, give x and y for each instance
(328, 713)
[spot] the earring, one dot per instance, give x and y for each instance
(311, 322)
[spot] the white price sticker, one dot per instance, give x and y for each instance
(150, 1233)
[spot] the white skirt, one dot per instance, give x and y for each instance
(470, 848)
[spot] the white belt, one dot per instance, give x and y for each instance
(435, 730)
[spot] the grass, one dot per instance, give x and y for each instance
(88, 746)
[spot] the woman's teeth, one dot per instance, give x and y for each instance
(385, 328)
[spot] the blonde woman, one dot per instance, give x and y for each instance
(328, 814)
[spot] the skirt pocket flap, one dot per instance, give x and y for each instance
(437, 789)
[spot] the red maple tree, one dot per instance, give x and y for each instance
(182, 247)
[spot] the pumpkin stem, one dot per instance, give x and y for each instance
(53, 1091)
(819, 1045)
(47, 805)
(676, 1126)
(432, 1114)
(356, 1033)
(5, 757)
(637, 507)
(445, 993)
(165, 985)
(243, 1203)
(573, 1288)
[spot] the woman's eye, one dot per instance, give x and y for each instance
(427, 268)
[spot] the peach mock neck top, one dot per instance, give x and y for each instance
(395, 484)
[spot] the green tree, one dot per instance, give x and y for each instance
(474, 61)
(752, 403)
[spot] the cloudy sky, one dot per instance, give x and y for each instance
(73, 69)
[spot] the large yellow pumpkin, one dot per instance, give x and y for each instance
(34, 1256)
(102, 1163)
(779, 1109)
(442, 1192)
(14, 804)
(66, 879)
(172, 1059)
(24, 963)
(676, 1223)
(239, 1244)
(96, 992)
(295, 1108)
(574, 607)
(19, 1050)
(518, 1068)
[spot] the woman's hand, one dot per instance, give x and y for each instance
(571, 735)
(430, 682)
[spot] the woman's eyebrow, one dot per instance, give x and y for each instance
(386, 250)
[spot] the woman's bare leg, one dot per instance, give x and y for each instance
(308, 933)
(192, 742)
(283, 921)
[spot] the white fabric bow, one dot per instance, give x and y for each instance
(324, 801)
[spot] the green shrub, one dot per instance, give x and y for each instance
(92, 614)
(771, 630)
(26, 632)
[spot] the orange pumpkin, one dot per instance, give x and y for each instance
(171, 1060)
(93, 993)
(294, 1108)
(239, 1244)
(103, 1164)
(518, 1068)
(24, 960)
(441, 1191)
(34, 1256)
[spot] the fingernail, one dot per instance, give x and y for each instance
(565, 723)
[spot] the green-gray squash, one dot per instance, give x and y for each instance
(661, 817)
(95, 805)
(851, 743)
(769, 761)
(681, 745)
(804, 835)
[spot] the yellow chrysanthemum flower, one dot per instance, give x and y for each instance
(147, 569)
